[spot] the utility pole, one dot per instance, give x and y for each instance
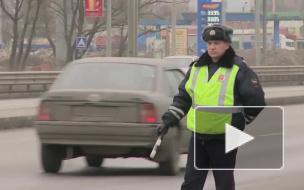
(167, 38)
(264, 31)
(132, 27)
(1, 29)
(224, 7)
(173, 33)
(109, 28)
(136, 6)
(243, 26)
(257, 33)
(61, 46)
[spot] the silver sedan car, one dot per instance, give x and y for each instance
(182, 61)
(107, 108)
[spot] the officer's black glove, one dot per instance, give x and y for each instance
(169, 120)
(162, 128)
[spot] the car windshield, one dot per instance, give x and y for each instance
(181, 62)
(123, 76)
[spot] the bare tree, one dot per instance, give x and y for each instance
(14, 16)
(31, 34)
(47, 19)
(120, 21)
(71, 14)
(24, 15)
(147, 8)
(159, 8)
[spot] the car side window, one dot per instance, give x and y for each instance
(173, 79)
(179, 75)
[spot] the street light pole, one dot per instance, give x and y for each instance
(109, 29)
(224, 7)
(243, 26)
(264, 31)
(132, 27)
(257, 33)
(167, 38)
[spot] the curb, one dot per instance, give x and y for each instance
(281, 101)
(16, 122)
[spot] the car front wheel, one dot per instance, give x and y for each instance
(51, 156)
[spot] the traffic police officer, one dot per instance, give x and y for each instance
(218, 78)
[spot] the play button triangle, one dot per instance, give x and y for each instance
(235, 138)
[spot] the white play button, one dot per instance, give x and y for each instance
(235, 138)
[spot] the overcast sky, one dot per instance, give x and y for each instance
(232, 5)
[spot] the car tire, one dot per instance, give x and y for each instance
(51, 156)
(94, 161)
(171, 165)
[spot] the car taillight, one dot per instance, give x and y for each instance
(148, 113)
(44, 111)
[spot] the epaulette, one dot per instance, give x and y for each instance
(239, 61)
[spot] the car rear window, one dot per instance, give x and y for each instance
(122, 76)
(181, 62)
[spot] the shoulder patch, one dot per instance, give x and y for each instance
(255, 82)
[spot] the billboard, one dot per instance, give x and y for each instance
(209, 12)
(93, 8)
(181, 41)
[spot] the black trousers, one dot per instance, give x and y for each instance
(209, 154)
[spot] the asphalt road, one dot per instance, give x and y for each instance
(18, 107)
(20, 167)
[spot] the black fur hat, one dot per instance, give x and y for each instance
(218, 32)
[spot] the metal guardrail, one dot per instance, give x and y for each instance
(39, 81)
(280, 75)
(26, 82)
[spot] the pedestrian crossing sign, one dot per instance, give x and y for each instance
(81, 43)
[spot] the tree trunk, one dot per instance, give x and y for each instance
(69, 32)
(28, 48)
(21, 40)
(48, 35)
(14, 47)
(47, 28)
(12, 66)
(122, 45)
(80, 24)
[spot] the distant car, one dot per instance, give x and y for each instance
(108, 108)
(182, 61)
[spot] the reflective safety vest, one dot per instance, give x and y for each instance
(218, 91)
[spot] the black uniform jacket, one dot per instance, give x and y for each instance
(247, 90)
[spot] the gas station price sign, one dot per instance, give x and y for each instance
(209, 13)
(213, 16)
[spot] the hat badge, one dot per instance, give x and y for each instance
(212, 32)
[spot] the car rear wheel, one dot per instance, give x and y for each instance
(93, 161)
(171, 165)
(51, 156)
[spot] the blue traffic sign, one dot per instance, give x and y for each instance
(81, 43)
